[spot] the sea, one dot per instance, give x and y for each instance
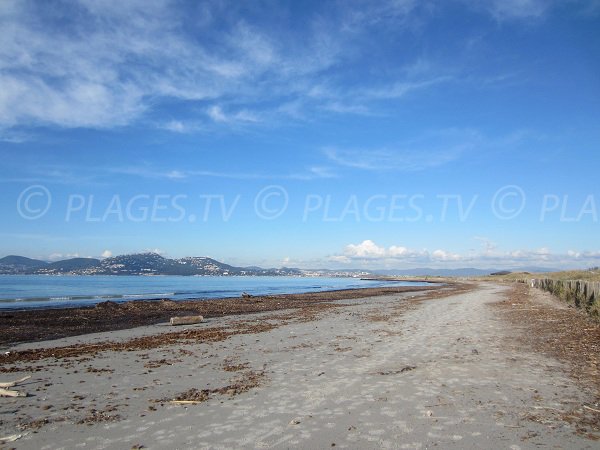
(51, 291)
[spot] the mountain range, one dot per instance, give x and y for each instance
(460, 272)
(135, 264)
(154, 264)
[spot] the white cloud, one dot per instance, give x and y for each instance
(340, 259)
(61, 256)
(106, 254)
(397, 251)
(584, 254)
(366, 249)
(443, 255)
(371, 255)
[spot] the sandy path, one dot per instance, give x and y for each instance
(369, 375)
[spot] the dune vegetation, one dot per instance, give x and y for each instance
(592, 274)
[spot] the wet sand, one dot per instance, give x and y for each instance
(44, 324)
(451, 367)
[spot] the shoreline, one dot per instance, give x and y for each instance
(68, 295)
(21, 326)
(453, 366)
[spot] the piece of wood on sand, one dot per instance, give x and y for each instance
(186, 320)
(11, 438)
(186, 402)
(12, 393)
(9, 393)
(6, 384)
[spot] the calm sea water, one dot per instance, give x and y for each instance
(42, 291)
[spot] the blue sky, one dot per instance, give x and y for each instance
(376, 134)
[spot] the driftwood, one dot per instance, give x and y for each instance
(11, 393)
(7, 393)
(11, 438)
(6, 384)
(186, 402)
(186, 320)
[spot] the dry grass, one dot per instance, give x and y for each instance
(567, 335)
(585, 275)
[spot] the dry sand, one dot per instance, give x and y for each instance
(384, 372)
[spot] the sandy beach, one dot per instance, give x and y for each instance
(463, 366)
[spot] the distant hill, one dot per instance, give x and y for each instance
(207, 266)
(460, 272)
(426, 271)
(501, 273)
(14, 264)
(69, 265)
(137, 264)
(21, 261)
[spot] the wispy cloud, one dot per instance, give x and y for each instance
(52, 174)
(426, 151)
(119, 60)
(103, 176)
(401, 88)
(387, 159)
(437, 148)
(310, 173)
(503, 10)
(181, 126)
(109, 67)
(522, 10)
(175, 174)
(313, 173)
(217, 114)
(13, 136)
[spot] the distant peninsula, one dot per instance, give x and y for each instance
(149, 264)
(155, 264)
